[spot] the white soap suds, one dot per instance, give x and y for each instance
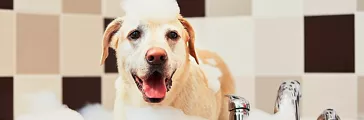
(157, 10)
(212, 74)
(257, 114)
(158, 113)
(42, 101)
(96, 112)
(118, 82)
(52, 109)
(212, 61)
(45, 106)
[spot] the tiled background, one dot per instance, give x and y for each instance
(56, 45)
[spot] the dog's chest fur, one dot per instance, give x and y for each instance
(196, 98)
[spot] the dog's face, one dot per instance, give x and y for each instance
(150, 52)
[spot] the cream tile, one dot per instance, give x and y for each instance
(361, 96)
(199, 26)
(30, 84)
(325, 7)
(279, 46)
(245, 87)
(112, 8)
(336, 91)
(360, 5)
(38, 6)
(81, 45)
(228, 7)
(108, 90)
(266, 90)
(359, 43)
(37, 45)
(229, 37)
(276, 8)
(7, 43)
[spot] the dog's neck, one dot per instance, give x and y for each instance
(179, 76)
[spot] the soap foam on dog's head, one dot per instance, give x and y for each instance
(154, 10)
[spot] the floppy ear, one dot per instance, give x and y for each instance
(190, 39)
(110, 38)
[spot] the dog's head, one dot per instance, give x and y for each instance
(150, 51)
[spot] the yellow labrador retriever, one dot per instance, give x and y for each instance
(153, 59)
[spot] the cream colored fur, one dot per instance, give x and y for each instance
(189, 92)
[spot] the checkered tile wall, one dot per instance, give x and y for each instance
(55, 45)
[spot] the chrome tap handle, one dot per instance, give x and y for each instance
(289, 90)
(329, 114)
(239, 107)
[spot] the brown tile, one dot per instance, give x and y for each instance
(81, 45)
(6, 4)
(110, 63)
(361, 95)
(6, 101)
(192, 8)
(37, 43)
(79, 91)
(7, 41)
(82, 6)
(266, 88)
(329, 44)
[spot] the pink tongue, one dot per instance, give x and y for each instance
(154, 88)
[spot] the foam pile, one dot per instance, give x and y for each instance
(45, 106)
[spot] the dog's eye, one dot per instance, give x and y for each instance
(172, 35)
(135, 35)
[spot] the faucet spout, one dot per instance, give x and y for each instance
(239, 107)
(288, 99)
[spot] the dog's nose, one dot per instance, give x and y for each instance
(156, 56)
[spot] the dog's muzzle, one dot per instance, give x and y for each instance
(156, 56)
(155, 84)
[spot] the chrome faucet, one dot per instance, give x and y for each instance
(239, 107)
(289, 95)
(329, 114)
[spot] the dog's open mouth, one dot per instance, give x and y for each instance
(154, 87)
